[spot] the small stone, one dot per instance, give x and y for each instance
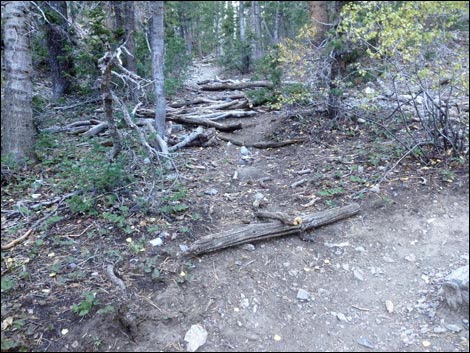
(302, 294)
(146, 160)
(454, 328)
(244, 151)
(369, 90)
(358, 274)
(363, 341)
(196, 337)
(360, 249)
(245, 303)
(156, 242)
(389, 305)
(211, 191)
(248, 247)
(410, 258)
(439, 329)
(456, 288)
(184, 248)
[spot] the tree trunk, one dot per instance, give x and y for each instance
(335, 69)
(56, 38)
(185, 21)
(130, 45)
(118, 23)
(257, 44)
(277, 19)
(245, 52)
(218, 29)
(18, 133)
(319, 18)
(157, 43)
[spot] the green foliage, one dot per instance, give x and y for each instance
(173, 202)
(88, 173)
(176, 64)
(295, 93)
(8, 283)
(176, 61)
(403, 28)
(108, 309)
(331, 192)
(120, 219)
(270, 67)
(262, 96)
(86, 305)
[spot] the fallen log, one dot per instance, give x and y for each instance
(205, 122)
(235, 86)
(191, 137)
(95, 130)
(261, 231)
(199, 100)
(224, 115)
(263, 144)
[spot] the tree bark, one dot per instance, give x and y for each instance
(185, 25)
(319, 17)
(157, 41)
(131, 64)
(118, 21)
(57, 33)
(256, 18)
(335, 69)
(245, 52)
(277, 20)
(18, 132)
(106, 67)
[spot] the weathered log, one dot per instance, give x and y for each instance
(198, 100)
(206, 123)
(265, 144)
(223, 115)
(261, 231)
(235, 86)
(95, 130)
(191, 137)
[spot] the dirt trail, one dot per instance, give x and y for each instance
(398, 249)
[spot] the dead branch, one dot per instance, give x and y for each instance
(263, 145)
(106, 63)
(16, 241)
(150, 150)
(116, 280)
(191, 137)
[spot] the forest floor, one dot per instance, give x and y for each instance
(367, 283)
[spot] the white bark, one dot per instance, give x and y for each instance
(18, 131)
(157, 43)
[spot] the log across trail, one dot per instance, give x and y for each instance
(285, 225)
